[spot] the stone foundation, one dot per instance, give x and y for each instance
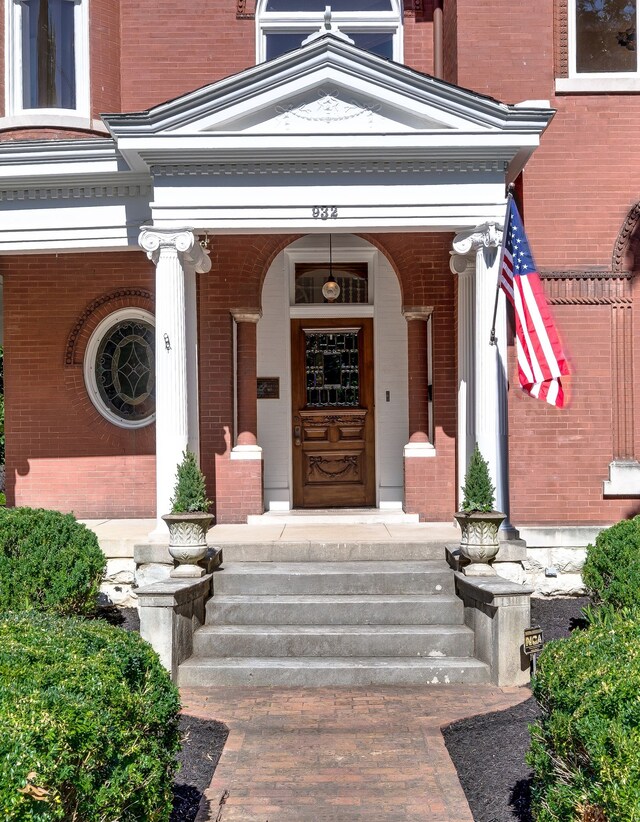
(555, 557)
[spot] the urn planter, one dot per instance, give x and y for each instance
(188, 541)
(479, 541)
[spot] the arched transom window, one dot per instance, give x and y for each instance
(373, 25)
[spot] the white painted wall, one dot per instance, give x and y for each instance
(273, 360)
(390, 370)
(391, 374)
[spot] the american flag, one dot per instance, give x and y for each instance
(541, 361)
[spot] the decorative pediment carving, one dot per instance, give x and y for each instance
(328, 107)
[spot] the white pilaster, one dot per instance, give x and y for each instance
(482, 397)
(177, 255)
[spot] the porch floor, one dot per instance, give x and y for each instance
(118, 536)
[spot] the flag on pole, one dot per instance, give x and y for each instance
(541, 361)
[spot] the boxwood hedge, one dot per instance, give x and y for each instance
(585, 749)
(48, 562)
(611, 571)
(88, 723)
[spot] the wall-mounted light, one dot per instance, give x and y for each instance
(331, 289)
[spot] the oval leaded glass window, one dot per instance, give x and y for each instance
(120, 368)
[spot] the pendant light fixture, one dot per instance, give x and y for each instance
(331, 289)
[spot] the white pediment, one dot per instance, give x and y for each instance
(327, 87)
(324, 108)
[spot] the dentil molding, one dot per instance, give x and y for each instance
(74, 192)
(329, 167)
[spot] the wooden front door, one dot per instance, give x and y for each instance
(333, 426)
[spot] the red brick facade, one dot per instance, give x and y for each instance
(577, 192)
(61, 453)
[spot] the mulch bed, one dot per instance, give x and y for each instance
(488, 751)
(202, 744)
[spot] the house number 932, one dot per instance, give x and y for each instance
(324, 213)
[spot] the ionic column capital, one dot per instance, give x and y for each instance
(470, 241)
(417, 312)
(182, 241)
(246, 315)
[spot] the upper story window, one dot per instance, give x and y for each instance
(47, 56)
(373, 25)
(603, 38)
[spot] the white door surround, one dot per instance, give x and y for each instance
(390, 363)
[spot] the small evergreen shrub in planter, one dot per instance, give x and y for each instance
(48, 562)
(585, 749)
(189, 519)
(88, 723)
(478, 521)
(611, 571)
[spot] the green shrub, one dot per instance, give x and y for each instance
(48, 562)
(611, 572)
(88, 723)
(189, 493)
(477, 491)
(585, 749)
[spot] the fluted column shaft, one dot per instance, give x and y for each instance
(466, 382)
(177, 256)
(482, 394)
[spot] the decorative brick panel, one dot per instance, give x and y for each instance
(626, 250)
(587, 287)
(561, 37)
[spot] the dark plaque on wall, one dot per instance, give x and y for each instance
(268, 388)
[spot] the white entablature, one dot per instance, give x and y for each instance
(328, 137)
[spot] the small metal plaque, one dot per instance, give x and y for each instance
(533, 640)
(268, 388)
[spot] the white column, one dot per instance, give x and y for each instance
(464, 268)
(191, 335)
(483, 396)
(177, 255)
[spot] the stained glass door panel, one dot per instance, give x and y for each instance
(333, 430)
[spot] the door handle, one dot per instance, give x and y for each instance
(297, 435)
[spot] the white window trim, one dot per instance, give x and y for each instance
(271, 21)
(90, 370)
(13, 66)
(596, 82)
(321, 256)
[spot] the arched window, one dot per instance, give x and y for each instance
(373, 25)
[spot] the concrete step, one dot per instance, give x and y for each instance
(332, 578)
(330, 671)
(361, 609)
(335, 516)
(333, 641)
(331, 551)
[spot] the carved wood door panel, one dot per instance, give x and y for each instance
(333, 413)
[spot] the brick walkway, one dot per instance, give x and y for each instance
(339, 755)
